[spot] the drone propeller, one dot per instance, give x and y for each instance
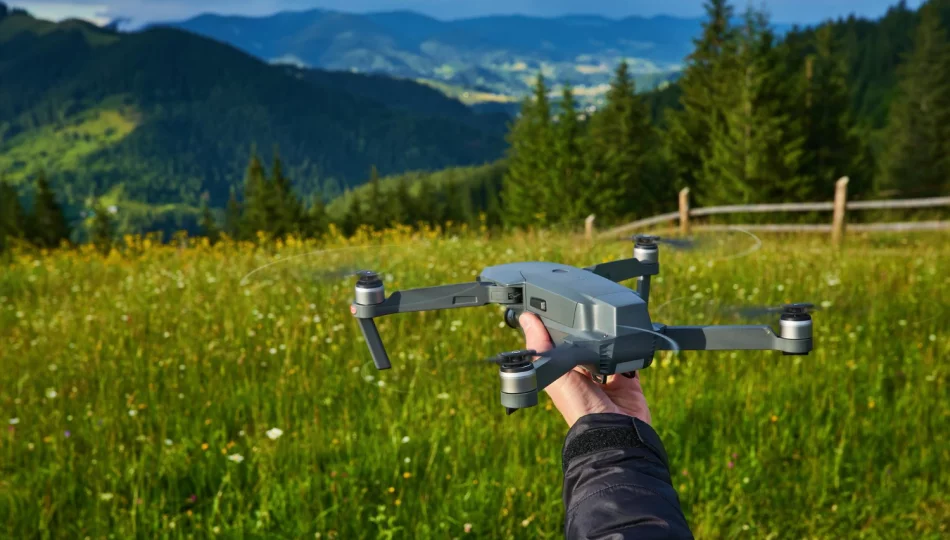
(647, 239)
(751, 312)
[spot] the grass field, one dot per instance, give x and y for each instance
(156, 394)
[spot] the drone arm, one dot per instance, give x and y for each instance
(625, 269)
(442, 297)
(730, 338)
(375, 343)
(555, 363)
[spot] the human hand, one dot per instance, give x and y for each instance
(575, 394)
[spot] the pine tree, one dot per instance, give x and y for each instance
(48, 223)
(563, 200)
(917, 160)
(232, 217)
(401, 202)
(378, 217)
(256, 200)
(103, 230)
(316, 218)
(353, 216)
(832, 147)
(12, 216)
(621, 141)
(530, 150)
(687, 138)
(285, 211)
(209, 227)
(756, 150)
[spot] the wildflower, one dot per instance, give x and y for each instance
(933, 337)
(443, 395)
(67, 434)
(273, 350)
(168, 442)
(685, 472)
(826, 304)
(51, 393)
(237, 458)
(407, 460)
(192, 498)
(274, 433)
(204, 446)
(730, 465)
(467, 528)
(405, 439)
(397, 502)
(133, 412)
(391, 489)
(105, 496)
(52, 367)
(745, 480)
(902, 322)
(14, 421)
(774, 418)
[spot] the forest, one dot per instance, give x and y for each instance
(754, 118)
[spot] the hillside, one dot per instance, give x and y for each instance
(165, 115)
(486, 59)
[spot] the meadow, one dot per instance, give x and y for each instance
(163, 392)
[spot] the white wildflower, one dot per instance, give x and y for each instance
(274, 433)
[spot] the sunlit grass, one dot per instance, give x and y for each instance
(151, 393)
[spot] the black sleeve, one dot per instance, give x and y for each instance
(617, 482)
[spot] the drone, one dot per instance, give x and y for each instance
(594, 321)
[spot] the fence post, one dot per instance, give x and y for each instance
(684, 211)
(589, 227)
(841, 204)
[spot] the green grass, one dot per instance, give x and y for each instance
(164, 367)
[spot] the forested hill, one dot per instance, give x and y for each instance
(167, 115)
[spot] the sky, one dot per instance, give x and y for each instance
(144, 11)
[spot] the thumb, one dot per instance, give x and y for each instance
(536, 336)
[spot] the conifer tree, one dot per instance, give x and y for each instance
(529, 159)
(316, 218)
(832, 147)
(917, 159)
(232, 217)
(103, 229)
(209, 227)
(353, 216)
(621, 139)
(688, 135)
(256, 194)
(400, 202)
(285, 211)
(563, 198)
(12, 216)
(755, 152)
(378, 217)
(48, 223)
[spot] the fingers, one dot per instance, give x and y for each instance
(536, 336)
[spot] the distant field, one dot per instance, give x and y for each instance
(141, 394)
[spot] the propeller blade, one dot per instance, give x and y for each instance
(752, 312)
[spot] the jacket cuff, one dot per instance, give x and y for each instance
(605, 431)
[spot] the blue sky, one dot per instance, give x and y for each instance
(142, 11)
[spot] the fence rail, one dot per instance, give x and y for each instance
(837, 227)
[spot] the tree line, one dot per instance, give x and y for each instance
(757, 120)
(752, 119)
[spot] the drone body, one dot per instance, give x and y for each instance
(593, 320)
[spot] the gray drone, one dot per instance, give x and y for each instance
(594, 321)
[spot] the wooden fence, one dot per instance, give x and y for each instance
(839, 208)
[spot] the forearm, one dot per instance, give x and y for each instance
(617, 482)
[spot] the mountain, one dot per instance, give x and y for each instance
(162, 116)
(487, 59)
